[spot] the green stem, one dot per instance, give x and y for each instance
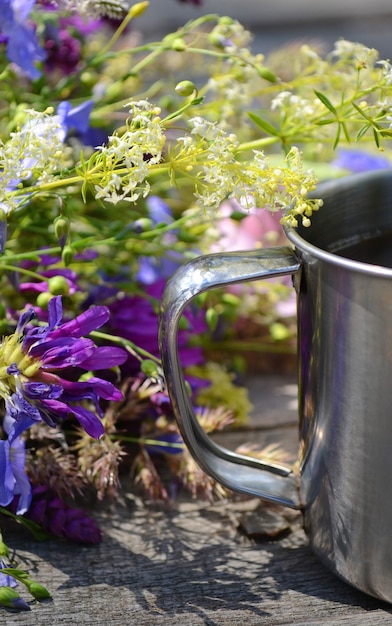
(132, 347)
(22, 270)
(257, 143)
(147, 442)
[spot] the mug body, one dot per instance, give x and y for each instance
(345, 379)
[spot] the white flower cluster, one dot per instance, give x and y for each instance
(126, 160)
(296, 109)
(235, 84)
(349, 50)
(214, 150)
(33, 153)
(221, 175)
(230, 35)
(386, 71)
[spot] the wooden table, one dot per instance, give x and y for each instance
(189, 564)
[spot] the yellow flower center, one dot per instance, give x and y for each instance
(11, 353)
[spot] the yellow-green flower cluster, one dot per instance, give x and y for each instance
(127, 158)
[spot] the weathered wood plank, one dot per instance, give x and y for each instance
(188, 566)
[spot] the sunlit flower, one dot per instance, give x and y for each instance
(14, 481)
(31, 357)
(23, 48)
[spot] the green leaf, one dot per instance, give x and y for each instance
(362, 112)
(326, 102)
(362, 131)
(263, 124)
(325, 122)
(347, 136)
(337, 138)
(196, 101)
(211, 319)
(38, 532)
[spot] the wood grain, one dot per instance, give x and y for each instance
(190, 565)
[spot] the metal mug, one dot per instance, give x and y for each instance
(342, 481)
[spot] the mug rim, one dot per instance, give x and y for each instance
(304, 247)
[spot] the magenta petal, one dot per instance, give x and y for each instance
(84, 323)
(36, 287)
(105, 357)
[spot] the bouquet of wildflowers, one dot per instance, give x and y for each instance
(118, 163)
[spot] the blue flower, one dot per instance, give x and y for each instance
(14, 481)
(75, 118)
(357, 161)
(152, 268)
(23, 48)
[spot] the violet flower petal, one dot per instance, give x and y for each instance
(84, 323)
(105, 357)
(22, 484)
(7, 482)
(62, 352)
(89, 421)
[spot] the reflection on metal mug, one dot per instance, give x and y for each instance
(342, 272)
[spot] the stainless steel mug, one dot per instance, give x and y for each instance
(343, 479)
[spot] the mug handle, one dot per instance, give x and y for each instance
(270, 481)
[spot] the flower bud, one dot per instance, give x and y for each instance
(149, 368)
(143, 224)
(38, 591)
(178, 44)
(43, 299)
(225, 20)
(61, 227)
(58, 286)
(216, 40)
(138, 9)
(67, 255)
(267, 74)
(11, 599)
(185, 88)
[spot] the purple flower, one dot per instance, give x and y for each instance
(23, 48)
(64, 42)
(60, 519)
(31, 358)
(356, 161)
